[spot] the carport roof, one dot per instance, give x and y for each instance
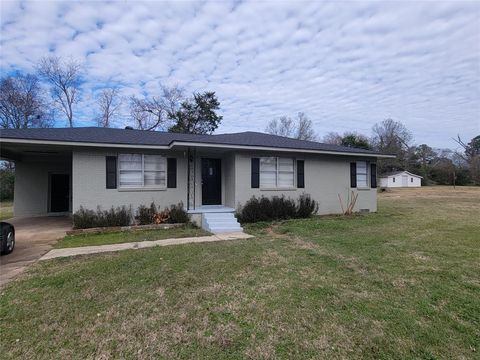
(110, 136)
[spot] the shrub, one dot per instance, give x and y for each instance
(306, 206)
(276, 208)
(282, 208)
(84, 218)
(150, 215)
(177, 214)
(145, 215)
(7, 182)
(251, 211)
(121, 216)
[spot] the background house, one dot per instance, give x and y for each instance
(400, 179)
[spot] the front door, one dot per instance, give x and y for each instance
(59, 192)
(404, 180)
(211, 181)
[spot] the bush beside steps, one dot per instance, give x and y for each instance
(277, 208)
(124, 217)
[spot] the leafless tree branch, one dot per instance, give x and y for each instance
(109, 103)
(63, 75)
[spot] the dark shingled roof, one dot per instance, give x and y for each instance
(157, 138)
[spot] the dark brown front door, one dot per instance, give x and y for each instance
(59, 192)
(211, 181)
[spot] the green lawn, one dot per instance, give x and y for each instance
(6, 210)
(402, 283)
(129, 236)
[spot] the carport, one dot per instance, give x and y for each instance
(43, 178)
(34, 236)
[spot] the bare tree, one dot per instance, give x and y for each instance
(305, 128)
(22, 104)
(283, 126)
(299, 128)
(109, 103)
(333, 138)
(64, 79)
(392, 137)
(471, 155)
(152, 114)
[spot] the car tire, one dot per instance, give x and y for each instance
(8, 243)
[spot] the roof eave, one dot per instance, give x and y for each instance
(272, 148)
(193, 144)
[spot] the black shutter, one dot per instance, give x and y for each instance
(171, 173)
(255, 173)
(300, 174)
(373, 175)
(111, 177)
(353, 175)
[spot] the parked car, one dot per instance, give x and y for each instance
(7, 238)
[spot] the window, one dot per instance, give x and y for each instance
(362, 174)
(393, 179)
(411, 179)
(138, 170)
(276, 172)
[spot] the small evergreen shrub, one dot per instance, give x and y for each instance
(177, 214)
(283, 208)
(172, 215)
(146, 215)
(250, 212)
(306, 206)
(276, 208)
(84, 218)
(120, 216)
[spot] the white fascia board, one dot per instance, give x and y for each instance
(191, 144)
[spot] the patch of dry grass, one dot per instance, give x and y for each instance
(402, 283)
(6, 210)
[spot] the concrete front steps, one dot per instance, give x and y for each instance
(220, 222)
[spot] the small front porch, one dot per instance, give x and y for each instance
(210, 180)
(211, 190)
(216, 218)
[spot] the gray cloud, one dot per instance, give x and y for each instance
(347, 65)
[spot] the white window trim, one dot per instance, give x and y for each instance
(142, 187)
(277, 171)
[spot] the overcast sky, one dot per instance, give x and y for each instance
(346, 65)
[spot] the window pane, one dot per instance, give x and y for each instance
(130, 169)
(154, 170)
(268, 172)
(268, 178)
(131, 178)
(285, 179)
(285, 164)
(130, 161)
(154, 162)
(268, 164)
(361, 167)
(154, 178)
(362, 180)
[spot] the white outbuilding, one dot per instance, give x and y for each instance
(400, 179)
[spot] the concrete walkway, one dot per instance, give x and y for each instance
(85, 250)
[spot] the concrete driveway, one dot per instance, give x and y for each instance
(33, 238)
